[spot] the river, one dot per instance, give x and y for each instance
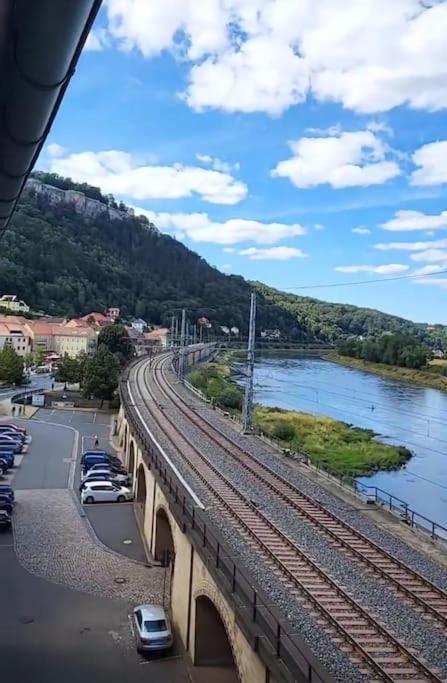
(401, 413)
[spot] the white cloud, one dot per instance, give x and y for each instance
(415, 220)
(229, 250)
(55, 150)
(273, 253)
(361, 231)
(430, 256)
(387, 269)
(198, 227)
(431, 160)
(348, 159)
(429, 270)
(217, 164)
(266, 55)
(117, 172)
(318, 226)
(410, 246)
(98, 39)
(440, 282)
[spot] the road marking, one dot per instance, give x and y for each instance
(94, 418)
(160, 660)
(164, 455)
(74, 457)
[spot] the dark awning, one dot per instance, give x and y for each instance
(40, 44)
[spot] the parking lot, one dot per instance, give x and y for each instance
(66, 611)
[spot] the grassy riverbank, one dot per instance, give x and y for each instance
(335, 446)
(426, 378)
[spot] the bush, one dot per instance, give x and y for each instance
(231, 398)
(283, 431)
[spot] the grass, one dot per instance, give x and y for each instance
(426, 377)
(335, 446)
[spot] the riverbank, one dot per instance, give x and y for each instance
(423, 378)
(336, 446)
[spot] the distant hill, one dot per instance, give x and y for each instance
(67, 263)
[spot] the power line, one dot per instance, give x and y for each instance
(365, 282)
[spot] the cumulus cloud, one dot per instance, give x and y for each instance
(199, 227)
(318, 226)
(429, 270)
(415, 220)
(410, 246)
(388, 269)
(440, 282)
(267, 55)
(98, 39)
(347, 159)
(361, 231)
(431, 160)
(430, 256)
(273, 253)
(217, 164)
(119, 173)
(55, 150)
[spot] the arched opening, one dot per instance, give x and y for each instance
(164, 543)
(212, 646)
(131, 467)
(126, 432)
(141, 488)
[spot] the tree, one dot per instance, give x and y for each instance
(11, 366)
(39, 356)
(117, 340)
(101, 373)
(69, 370)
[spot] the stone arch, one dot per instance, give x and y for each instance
(141, 488)
(213, 646)
(164, 546)
(132, 457)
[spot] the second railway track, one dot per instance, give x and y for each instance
(378, 653)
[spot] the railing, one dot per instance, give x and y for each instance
(284, 651)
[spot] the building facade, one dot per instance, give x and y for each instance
(13, 303)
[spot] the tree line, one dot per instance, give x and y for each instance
(390, 349)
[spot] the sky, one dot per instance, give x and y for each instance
(303, 144)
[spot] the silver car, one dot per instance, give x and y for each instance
(152, 628)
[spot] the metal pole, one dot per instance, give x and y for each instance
(194, 332)
(248, 399)
(176, 331)
(201, 333)
(172, 331)
(181, 374)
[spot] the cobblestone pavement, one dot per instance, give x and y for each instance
(53, 542)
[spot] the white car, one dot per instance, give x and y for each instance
(104, 492)
(91, 475)
(152, 628)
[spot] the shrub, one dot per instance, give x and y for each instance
(283, 431)
(230, 398)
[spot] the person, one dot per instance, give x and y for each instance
(96, 442)
(52, 386)
(13, 410)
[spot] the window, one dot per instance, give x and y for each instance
(138, 617)
(155, 625)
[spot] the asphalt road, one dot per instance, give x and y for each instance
(48, 632)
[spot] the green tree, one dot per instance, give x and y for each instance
(11, 366)
(39, 356)
(117, 340)
(69, 370)
(29, 360)
(101, 374)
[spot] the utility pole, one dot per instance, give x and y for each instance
(194, 334)
(176, 331)
(172, 331)
(248, 398)
(181, 368)
(200, 333)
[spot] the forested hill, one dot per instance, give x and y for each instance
(63, 263)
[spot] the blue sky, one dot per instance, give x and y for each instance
(262, 133)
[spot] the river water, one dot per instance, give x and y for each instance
(401, 413)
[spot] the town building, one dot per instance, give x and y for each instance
(157, 337)
(15, 335)
(13, 303)
(139, 325)
(113, 313)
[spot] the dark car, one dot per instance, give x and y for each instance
(10, 425)
(7, 490)
(13, 446)
(8, 458)
(6, 504)
(3, 466)
(5, 520)
(91, 458)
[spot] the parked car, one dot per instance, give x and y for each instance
(3, 465)
(8, 458)
(10, 425)
(104, 492)
(9, 445)
(105, 473)
(117, 469)
(6, 504)
(7, 490)
(91, 458)
(5, 520)
(17, 436)
(152, 628)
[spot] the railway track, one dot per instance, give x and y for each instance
(415, 587)
(379, 655)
